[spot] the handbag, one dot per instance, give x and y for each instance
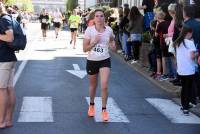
(169, 43)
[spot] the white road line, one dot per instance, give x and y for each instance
(115, 113)
(172, 111)
(36, 109)
(76, 67)
(23, 64)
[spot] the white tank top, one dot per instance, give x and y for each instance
(101, 50)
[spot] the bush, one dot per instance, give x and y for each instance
(146, 37)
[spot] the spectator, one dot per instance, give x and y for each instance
(185, 55)
(7, 68)
(162, 28)
(120, 31)
(123, 25)
(155, 49)
(168, 39)
(135, 28)
(189, 20)
(147, 6)
(177, 29)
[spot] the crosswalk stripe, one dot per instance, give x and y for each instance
(36, 109)
(115, 113)
(172, 111)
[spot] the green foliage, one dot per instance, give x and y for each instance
(146, 37)
(10, 2)
(71, 5)
(108, 12)
(25, 5)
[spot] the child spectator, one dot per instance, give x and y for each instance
(162, 28)
(185, 54)
(154, 48)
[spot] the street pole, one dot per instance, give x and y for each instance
(84, 4)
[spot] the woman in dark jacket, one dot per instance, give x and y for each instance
(135, 28)
(123, 25)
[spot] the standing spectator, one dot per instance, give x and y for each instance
(135, 28)
(57, 19)
(162, 28)
(120, 32)
(189, 20)
(7, 68)
(185, 54)
(155, 49)
(147, 6)
(177, 29)
(90, 19)
(168, 39)
(44, 18)
(123, 25)
(74, 20)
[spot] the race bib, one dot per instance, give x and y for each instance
(44, 20)
(100, 50)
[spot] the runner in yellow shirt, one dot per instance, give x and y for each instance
(74, 20)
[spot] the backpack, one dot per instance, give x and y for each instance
(20, 40)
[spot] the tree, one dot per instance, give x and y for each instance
(27, 5)
(10, 2)
(71, 5)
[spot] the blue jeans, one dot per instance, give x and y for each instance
(126, 47)
(120, 35)
(171, 68)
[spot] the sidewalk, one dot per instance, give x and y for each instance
(165, 85)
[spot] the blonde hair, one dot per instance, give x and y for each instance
(160, 15)
(172, 7)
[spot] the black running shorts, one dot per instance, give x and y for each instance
(93, 67)
(73, 29)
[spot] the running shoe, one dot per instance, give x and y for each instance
(186, 112)
(91, 111)
(104, 115)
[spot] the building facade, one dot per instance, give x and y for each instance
(50, 5)
(84, 4)
(132, 2)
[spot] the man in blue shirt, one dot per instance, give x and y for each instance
(190, 21)
(7, 68)
(188, 15)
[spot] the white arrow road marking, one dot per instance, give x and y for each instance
(77, 71)
(115, 113)
(36, 109)
(172, 111)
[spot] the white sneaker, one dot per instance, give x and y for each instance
(119, 51)
(134, 61)
(192, 105)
